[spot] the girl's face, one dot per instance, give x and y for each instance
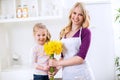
(41, 36)
(77, 16)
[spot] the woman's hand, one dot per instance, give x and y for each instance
(53, 62)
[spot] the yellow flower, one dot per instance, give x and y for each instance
(53, 47)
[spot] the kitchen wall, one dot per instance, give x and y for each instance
(102, 49)
(17, 38)
(4, 49)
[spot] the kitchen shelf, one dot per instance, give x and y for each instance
(30, 19)
(29, 10)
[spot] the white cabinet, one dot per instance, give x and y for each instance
(25, 10)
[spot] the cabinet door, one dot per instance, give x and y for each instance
(50, 7)
(7, 9)
(26, 8)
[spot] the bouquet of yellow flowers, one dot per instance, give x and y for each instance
(53, 47)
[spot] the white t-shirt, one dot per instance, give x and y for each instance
(42, 59)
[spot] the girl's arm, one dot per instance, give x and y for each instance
(39, 67)
(44, 68)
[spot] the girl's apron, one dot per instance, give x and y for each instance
(75, 72)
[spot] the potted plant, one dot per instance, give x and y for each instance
(117, 59)
(117, 67)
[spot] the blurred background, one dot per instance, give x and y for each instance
(17, 18)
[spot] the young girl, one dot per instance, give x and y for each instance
(41, 35)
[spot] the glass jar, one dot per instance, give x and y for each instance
(19, 11)
(25, 11)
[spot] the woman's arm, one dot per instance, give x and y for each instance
(71, 61)
(67, 62)
(85, 43)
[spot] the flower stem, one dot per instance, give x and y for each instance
(52, 56)
(51, 78)
(52, 68)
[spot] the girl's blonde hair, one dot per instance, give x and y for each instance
(41, 26)
(85, 23)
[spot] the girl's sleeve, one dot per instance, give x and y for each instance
(85, 43)
(34, 56)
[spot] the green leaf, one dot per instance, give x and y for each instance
(118, 68)
(118, 74)
(117, 61)
(117, 17)
(118, 10)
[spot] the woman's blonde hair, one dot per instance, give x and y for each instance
(38, 26)
(85, 23)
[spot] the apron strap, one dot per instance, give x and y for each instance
(80, 32)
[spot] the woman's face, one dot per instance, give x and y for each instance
(41, 36)
(77, 16)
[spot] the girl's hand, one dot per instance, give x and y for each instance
(54, 73)
(51, 74)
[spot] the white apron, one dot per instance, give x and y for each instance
(76, 72)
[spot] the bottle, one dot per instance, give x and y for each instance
(25, 11)
(33, 11)
(19, 12)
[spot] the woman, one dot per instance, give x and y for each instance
(76, 38)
